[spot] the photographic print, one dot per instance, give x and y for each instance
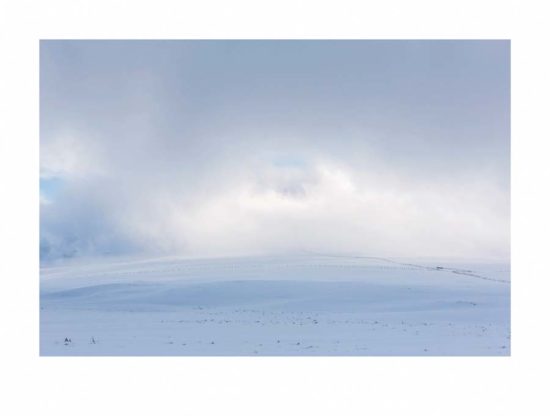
(275, 198)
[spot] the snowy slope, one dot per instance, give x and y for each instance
(279, 305)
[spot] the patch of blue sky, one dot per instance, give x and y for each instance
(289, 161)
(50, 187)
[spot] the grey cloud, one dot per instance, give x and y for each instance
(204, 147)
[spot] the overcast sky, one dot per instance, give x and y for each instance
(388, 148)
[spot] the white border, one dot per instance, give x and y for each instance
(264, 386)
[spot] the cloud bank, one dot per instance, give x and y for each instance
(394, 148)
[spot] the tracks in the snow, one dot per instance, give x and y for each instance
(192, 267)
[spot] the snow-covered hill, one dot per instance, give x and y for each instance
(278, 305)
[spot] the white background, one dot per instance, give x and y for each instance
(265, 386)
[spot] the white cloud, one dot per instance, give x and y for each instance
(70, 155)
(205, 155)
